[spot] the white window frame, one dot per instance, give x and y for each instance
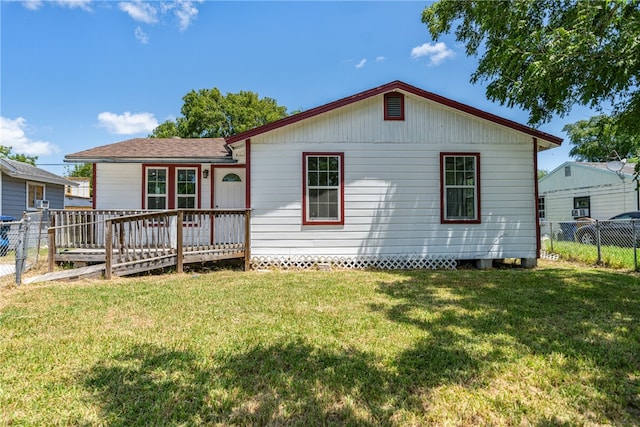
(31, 201)
(164, 195)
(194, 195)
(338, 187)
(452, 180)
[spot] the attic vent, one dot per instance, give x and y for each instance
(394, 106)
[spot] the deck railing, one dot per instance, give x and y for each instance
(139, 241)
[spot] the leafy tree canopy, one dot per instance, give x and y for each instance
(82, 170)
(5, 152)
(209, 114)
(547, 55)
(595, 139)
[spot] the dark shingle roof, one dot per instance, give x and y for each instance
(26, 171)
(149, 149)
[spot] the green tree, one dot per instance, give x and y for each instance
(209, 114)
(547, 55)
(82, 170)
(5, 152)
(595, 139)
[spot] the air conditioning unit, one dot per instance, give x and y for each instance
(42, 204)
(578, 213)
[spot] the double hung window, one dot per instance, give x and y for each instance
(157, 188)
(460, 187)
(186, 186)
(171, 187)
(323, 188)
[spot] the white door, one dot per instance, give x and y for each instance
(229, 188)
(229, 193)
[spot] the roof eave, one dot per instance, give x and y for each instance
(172, 160)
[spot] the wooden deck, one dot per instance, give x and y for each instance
(129, 242)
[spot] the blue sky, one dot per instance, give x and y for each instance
(77, 74)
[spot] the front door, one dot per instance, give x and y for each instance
(229, 193)
(229, 188)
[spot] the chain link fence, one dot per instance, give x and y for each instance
(21, 242)
(614, 243)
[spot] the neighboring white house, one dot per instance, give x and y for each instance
(580, 189)
(392, 177)
(78, 196)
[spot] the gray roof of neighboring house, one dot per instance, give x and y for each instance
(26, 171)
(175, 150)
(627, 169)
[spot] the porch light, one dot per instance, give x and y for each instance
(205, 173)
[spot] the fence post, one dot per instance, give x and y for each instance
(21, 247)
(599, 260)
(635, 244)
(51, 250)
(551, 235)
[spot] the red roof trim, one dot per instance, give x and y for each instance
(395, 85)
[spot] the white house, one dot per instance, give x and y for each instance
(582, 189)
(391, 177)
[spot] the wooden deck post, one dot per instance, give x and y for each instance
(247, 240)
(179, 243)
(108, 247)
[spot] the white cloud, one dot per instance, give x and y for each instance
(141, 36)
(436, 53)
(127, 123)
(32, 4)
(185, 13)
(140, 11)
(380, 58)
(71, 4)
(75, 4)
(361, 63)
(13, 134)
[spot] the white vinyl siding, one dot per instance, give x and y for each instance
(609, 194)
(392, 185)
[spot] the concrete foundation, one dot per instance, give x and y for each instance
(483, 264)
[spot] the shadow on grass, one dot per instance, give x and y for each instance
(590, 318)
(286, 383)
(483, 318)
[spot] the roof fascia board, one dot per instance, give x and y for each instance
(149, 159)
(395, 85)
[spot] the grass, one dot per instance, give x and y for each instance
(610, 256)
(557, 345)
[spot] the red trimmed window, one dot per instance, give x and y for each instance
(394, 106)
(323, 188)
(460, 191)
(171, 187)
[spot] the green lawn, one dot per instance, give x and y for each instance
(610, 256)
(557, 345)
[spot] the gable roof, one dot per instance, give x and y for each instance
(29, 172)
(174, 150)
(390, 87)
